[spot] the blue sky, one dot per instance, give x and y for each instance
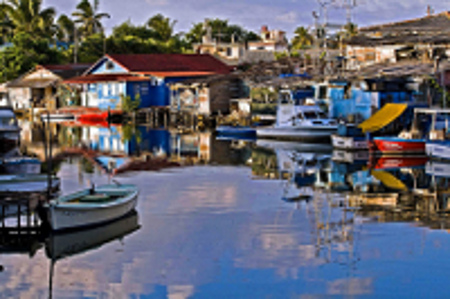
(251, 14)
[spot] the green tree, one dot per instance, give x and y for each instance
(302, 39)
(194, 36)
(129, 104)
(26, 52)
(29, 17)
(91, 49)
(66, 29)
(162, 27)
(89, 18)
(221, 31)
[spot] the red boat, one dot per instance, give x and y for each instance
(97, 117)
(398, 162)
(398, 146)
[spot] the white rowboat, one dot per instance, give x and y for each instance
(91, 206)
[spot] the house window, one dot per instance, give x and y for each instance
(229, 51)
(109, 65)
(136, 89)
(121, 88)
(105, 90)
(144, 89)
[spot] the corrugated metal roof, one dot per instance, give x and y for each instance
(160, 63)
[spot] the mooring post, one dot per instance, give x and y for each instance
(165, 119)
(18, 215)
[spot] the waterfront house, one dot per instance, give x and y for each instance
(207, 96)
(38, 89)
(421, 39)
(143, 76)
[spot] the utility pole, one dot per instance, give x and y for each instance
(75, 47)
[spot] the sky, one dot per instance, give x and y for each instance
(252, 14)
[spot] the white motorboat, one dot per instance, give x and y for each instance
(91, 206)
(300, 122)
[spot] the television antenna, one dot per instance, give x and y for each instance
(348, 5)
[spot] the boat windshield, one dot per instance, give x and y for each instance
(322, 115)
(310, 115)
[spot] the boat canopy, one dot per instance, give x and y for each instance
(383, 117)
(388, 180)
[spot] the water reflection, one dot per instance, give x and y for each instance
(289, 218)
(63, 245)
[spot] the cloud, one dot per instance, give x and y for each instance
(157, 2)
(290, 17)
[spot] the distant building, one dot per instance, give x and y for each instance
(230, 52)
(271, 40)
(146, 75)
(38, 88)
(422, 39)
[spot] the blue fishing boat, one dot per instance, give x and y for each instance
(236, 132)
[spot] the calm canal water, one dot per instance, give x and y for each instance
(242, 220)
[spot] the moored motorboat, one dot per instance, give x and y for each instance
(300, 122)
(91, 206)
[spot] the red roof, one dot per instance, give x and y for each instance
(105, 78)
(172, 63)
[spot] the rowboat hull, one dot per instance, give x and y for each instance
(63, 215)
(60, 245)
(399, 146)
(301, 133)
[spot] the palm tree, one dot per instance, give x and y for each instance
(66, 29)
(29, 17)
(162, 27)
(302, 39)
(88, 18)
(350, 30)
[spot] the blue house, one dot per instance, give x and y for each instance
(141, 75)
(359, 100)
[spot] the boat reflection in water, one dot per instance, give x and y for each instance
(60, 245)
(299, 165)
(63, 245)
